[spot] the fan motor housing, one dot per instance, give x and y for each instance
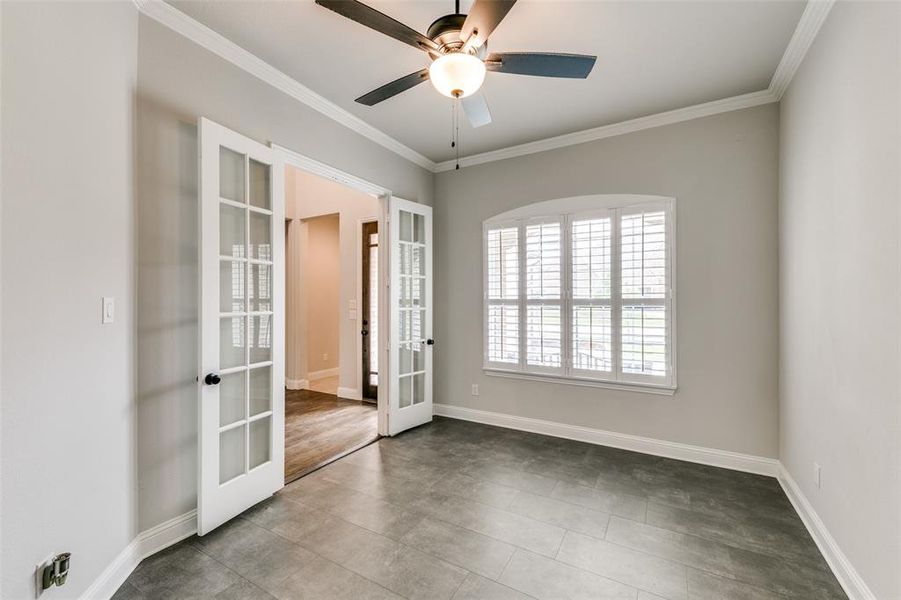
(445, 32)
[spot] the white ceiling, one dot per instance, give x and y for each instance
(652, 57)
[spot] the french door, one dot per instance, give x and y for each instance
(241, 417)
(410, 338)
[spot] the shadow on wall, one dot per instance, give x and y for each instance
(167, 312)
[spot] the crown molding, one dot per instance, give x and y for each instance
(815, 13)
(205, 37)
(606, 131)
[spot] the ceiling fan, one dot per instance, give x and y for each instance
(457, 45)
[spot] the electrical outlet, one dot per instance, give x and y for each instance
(475, 389)
(817, 474)
(324, 356)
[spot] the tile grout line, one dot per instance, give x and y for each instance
(646, 500)
(325, 558)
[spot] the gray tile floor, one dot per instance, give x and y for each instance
(465, 511)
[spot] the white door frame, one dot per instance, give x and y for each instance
(289, 157)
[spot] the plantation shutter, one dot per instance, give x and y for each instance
(503, 323)
(584, 294)
(591, 329)
(544, 295)
(645, 295)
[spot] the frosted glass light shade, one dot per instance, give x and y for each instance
(457, 75)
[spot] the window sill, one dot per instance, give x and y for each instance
(643, 388)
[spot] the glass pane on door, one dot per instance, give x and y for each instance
(231, 398)
(260, 237)
(260, 390)
(259, 185)
(231, 175)
(260, 434)
(231, 342)
(231, 231)
(231, 454)
(231, 286)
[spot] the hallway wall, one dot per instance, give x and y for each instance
(324, 271)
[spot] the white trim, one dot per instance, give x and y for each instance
(696, 454)
(626, 386)
(349, 393)
(815, 13)
(844, 571)
(205, 37)
(146, 543)
(310, 165)
(589, 135)
(297, 384)
(314, 375)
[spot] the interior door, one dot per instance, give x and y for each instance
(411, 343)
(241, 416)
(369, 334)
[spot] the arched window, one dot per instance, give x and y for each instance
(581, 290)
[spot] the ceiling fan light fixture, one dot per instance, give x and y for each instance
(457, 75)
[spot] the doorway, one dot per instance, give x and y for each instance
(330, 406)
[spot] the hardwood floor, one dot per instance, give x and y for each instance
(320, 427)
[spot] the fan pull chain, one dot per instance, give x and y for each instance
(455, 125)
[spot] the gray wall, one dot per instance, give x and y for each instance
(840, 284)
(178, 82)
(68, 466)
(723, 172)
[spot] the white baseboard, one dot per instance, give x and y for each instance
(844, 571)
(297, 384)
(145, 544)
(350, 393)
(314, 375)
(697, 454)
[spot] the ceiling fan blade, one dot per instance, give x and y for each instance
(476, 109)
(394, 88)
(541, 64)
(370, 17)
(483, 19)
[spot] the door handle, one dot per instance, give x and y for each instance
(364, 332)
(430, 342)
(212, 379)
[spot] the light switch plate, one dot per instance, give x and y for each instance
(109, 310)
(352, 314)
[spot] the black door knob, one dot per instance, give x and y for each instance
(430, 342)
(364, 332)
(212, 379)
